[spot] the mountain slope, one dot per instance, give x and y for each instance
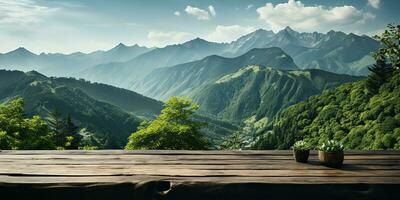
(122, 73)
(348, 113)
(183, 79)
(127, 100)
(44, 94)
(262, 92)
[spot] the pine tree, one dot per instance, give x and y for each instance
(71, 130)
(56, 124)
(380, 74)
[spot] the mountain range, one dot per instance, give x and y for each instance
(57, 64)
(333, 51)
(123, 66)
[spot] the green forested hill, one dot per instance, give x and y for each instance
(184, 79)
(349, 113)
(42, 95)
(261, 92)
(127, 100)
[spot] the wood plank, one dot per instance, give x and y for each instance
(183, 162)
(277, 166)
(101, 170)
(191, 157)
(55, 180)
(183, 152)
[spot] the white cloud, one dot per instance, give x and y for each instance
(166, 38)
(177, 13)
(22, 11)
(228, 33)
(374, 3)
(200, 14)
(212, 10)
(249, 6)
(310, 18)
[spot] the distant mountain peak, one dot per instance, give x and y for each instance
(288, 28)
(120, 46)
(197, 42)
(21, 51)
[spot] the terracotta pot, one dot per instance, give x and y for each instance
(301, 155)
(331, 159)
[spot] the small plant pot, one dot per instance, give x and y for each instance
(301, 155)
(331, 159)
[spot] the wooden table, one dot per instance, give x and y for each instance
(191, 175)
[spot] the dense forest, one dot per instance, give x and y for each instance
(350, 113)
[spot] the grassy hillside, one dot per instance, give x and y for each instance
(183, 79)
(348, 113)
(261, 92)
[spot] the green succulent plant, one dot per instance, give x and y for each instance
(301, 145)
(331, 146)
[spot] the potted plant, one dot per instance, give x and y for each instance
(331, 153)
(301, 151)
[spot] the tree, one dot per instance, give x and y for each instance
(173, 129)
(390, 46)
(380, 74)
(387, 58)
(70, 131)
(56, 124)
(19, 132)
(65, 131)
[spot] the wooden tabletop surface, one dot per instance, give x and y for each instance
(52, 168)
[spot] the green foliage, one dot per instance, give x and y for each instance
(70, 130)
(390, 50)
(19, 132)
(65, 131)
(380, 74)
(331, 146)
(302, 145)
(172, 129)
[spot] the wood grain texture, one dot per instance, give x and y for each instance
(196, 175)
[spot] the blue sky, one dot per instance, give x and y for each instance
(86, 25)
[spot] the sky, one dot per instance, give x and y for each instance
(67, 26)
